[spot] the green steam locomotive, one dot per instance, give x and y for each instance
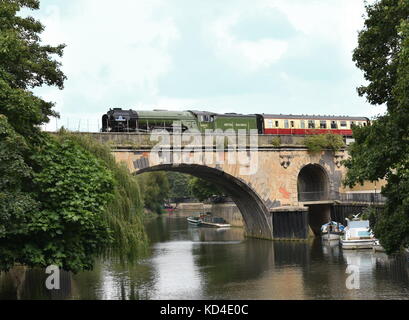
(118, 120)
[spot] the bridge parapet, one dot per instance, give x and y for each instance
(147, 141)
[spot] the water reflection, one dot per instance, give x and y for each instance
(187, 262)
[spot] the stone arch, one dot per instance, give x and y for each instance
(313, 183)
(256, 216)
(313, 186)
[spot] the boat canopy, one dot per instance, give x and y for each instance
(358, 224)
(333, 223)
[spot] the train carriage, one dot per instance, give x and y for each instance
(307, 125)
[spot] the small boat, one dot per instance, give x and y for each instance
(357, 235)
(169, 208)
(194, 220)
(332, 231)
(214, 222)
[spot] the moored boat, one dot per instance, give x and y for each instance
(214, 222)
(332, 231)
(357, 235)
(194, 220)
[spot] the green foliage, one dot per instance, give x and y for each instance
(15, 204)
(63, 200)
(154, 189)
(25, 64)
(179, 185)
(381, 150)
(317, 143)
(73, 188)
(379, 46)
(124, 212)
(276, 141)
(203, 190)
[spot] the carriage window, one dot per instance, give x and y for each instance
(364, 123)
(276, 124)
(292, 124)
(323, 124)
(286, 124)
(334, 125)
(311, 124)
(343, 124)
(302, 124)
(352, 123)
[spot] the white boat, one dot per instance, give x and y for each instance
(357, 235)
(214, 222)
(194, 220)
(332, 231)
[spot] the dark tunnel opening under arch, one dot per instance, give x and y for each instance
(312, 183)
(313, 186)
(255, 214)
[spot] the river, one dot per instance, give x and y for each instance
(187, 262)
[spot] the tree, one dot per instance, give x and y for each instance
(25, 64)
(56, 195)
(154, 189)
(66, 228)
(203, 190)
(179, 185)
(382, 149)
(15, 204)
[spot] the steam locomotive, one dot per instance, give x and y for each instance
(119, 120)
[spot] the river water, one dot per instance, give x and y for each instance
(187, 262)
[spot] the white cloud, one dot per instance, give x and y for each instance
(112, 49)
(336, 22)
(118, 53)
(244, 55)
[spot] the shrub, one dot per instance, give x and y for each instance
(317, 143)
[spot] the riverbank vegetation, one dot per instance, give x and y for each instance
(382, 149)
(204, 190)
(63, 199)
(124, 212)
(155, 190)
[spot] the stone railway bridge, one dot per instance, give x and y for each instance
(282, 191)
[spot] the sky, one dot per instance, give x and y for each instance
(260, 56)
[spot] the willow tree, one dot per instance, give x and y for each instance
(381, 151)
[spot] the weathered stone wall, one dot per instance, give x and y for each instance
(275, 179)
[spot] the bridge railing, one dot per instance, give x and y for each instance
(366, 197)
(313, 196)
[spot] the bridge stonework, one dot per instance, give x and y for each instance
(271, 188)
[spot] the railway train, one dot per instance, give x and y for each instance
(119, 120)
